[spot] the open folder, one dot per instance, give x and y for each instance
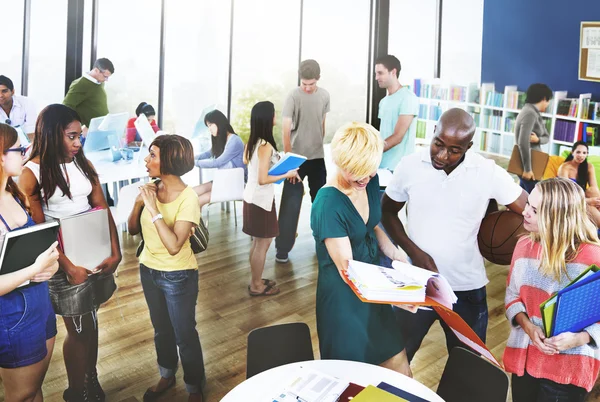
(460, 328)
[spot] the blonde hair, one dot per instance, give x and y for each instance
(563, 224)
(357, 148)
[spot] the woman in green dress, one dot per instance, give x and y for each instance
(344, 220)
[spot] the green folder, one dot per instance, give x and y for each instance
(548, 308)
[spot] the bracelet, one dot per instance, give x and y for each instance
(156, 217)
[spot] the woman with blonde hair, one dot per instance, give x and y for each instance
(562, 244)
(344, 220)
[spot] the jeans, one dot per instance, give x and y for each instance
(528, 185)
(171, 298)
(291, 201)
(531, 389)
(471, 306)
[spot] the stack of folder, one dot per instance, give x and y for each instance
(575, 307)
(384, 392)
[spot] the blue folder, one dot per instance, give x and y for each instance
(289, 162)
(577, 306)
(400, 392)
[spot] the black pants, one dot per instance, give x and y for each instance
(291, 201)
(531, 389)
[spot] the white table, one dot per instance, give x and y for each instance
(265, 384)
(112, 172)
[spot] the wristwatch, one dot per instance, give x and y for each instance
(156, 217)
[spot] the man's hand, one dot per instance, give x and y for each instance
(423, 260)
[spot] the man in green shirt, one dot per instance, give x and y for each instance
(87, 95)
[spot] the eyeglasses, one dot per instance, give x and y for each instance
(22, 150)
(106, 77)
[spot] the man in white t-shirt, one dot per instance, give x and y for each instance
(16, 110)
(448, 191)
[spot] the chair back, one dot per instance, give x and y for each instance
(227, 185)
(277, 345)
(468, 377)
(127, 196)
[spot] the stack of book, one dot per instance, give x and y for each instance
(421, 129)
(567, 107)
(590, 110)
(515, 99)
(589, 134)
(564, 130)
(493, 120)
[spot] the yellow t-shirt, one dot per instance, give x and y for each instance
(155, 255)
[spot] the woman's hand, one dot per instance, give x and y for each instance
(108, 266)
(568, 340)
(536, 334)
(593, 202)
(293, 176)
(411, 308)
(148, 193)
(47, 264)
(77, 275)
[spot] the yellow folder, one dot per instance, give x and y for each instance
(374, 394)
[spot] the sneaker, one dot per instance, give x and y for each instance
(281, 257)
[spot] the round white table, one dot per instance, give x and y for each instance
(264, 385)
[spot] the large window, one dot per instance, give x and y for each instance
(129, 36)
(47, 52)
(344, 67)
(265, 57)
(462, 36)
(196, 62)
(412, 37)
(12, 46)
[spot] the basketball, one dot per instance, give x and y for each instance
(498, 236)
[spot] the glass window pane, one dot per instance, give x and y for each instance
(87, 35)
(196, 62)
(412, 38)
(265, 58)
(129, 36)
(47, 52)
(12, 46)
(462, 30)
(344, 67)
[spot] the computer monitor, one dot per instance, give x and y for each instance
(200, 129)
(101, 127)
(143, 127)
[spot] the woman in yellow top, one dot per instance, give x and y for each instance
(165, 212)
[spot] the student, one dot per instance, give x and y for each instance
(260, 218)
(577, 168)
(563, 242)
(530, 130)
(16, 110)
(448, 191)
(165, 213)
(304, 115)
(60, 181)
(226, 152)
(27, 321)
(398, 112)
(344, 220)
(147, 110)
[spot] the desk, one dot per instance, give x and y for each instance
(111, 172)
(265, 384)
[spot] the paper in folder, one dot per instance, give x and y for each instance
(288, 162)
(548, 308)
(577, 305)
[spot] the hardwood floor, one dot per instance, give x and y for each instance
(226, 313)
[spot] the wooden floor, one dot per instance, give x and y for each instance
(225, 315)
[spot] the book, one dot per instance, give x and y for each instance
(400, 392)
(21, 247)
(350, 392)
(371, 394)
(288, 162)
(85, 238)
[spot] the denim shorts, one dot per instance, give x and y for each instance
(27, 320)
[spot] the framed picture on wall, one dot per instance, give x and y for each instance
(589, 51)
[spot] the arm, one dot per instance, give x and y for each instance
(518, 205)
(30, 118)
(286, 127)
(244, 159)
(324, 117)
(340, 251)
(44, 267)
(523, 141)
(387, 247)
(400, 130)
(74, 97)
(203, 155)
(395, 228)
(233, 148)
(264, 159)
(133, 222)
(562, 171)
(544, 135)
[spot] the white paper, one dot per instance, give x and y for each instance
(311, 386)
(591, 38)
(593, 63)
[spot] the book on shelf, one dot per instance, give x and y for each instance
(564, 130)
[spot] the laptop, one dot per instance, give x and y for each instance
(101, 127)
(143, 127)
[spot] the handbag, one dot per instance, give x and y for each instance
(198, 240)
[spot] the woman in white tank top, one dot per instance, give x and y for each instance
(59, 180)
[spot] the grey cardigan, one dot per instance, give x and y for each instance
(529, 121)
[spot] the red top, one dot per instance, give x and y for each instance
(132, 132)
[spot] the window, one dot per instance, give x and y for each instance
(129, 36)
(265, 58)
(196, 62)
(47, 52)
(344, 67)
(12, 47)
(412, 38)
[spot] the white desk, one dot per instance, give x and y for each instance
(264, 385)
(111, 172)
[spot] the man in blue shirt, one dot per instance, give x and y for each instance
(397, 113)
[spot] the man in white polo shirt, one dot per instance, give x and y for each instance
(16, 110)
(448, 191)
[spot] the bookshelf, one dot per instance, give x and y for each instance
(567, 119)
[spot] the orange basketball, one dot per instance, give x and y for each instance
(498, 236)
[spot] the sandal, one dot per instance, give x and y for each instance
(269, 282)
(153, 395)
(265, 292)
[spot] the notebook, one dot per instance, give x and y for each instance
(288, 162)
(539, 160)
(400, 392)
(577, 305)
(85, 237)
(21, 247)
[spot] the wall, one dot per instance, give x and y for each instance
(529, 41)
